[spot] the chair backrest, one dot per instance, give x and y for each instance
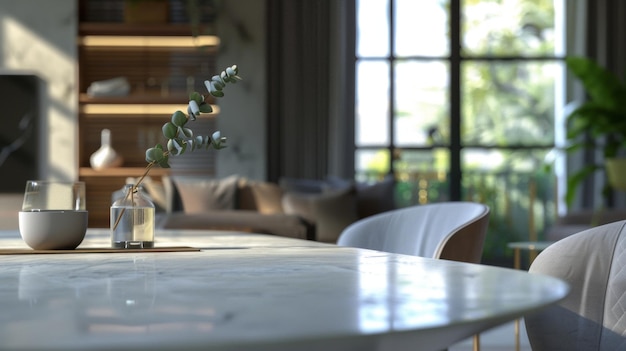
(447, 230)
(592, 316)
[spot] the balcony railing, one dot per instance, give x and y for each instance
(523, 206)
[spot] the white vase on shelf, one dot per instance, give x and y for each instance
(105, 156)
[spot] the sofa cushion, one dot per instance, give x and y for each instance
(264, 197)
(331, 212)
(200, 195)
(372, 198)
(239, 220)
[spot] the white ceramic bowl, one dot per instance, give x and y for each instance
(53, 229)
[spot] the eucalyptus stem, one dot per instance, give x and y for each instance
(180, 138)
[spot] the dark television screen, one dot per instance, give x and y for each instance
(19, 144)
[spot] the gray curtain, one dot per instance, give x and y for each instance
(298, 59)
(307, 90)
(606, 33)
(606, 43)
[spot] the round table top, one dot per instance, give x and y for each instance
(246, 291)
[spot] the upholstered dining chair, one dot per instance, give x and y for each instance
(592, 316)
(446, 230)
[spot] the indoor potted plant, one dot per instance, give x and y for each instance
(603, 117)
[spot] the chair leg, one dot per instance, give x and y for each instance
(517, 335)
(477, 342)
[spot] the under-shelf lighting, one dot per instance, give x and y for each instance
(149, 41)
(138, 109)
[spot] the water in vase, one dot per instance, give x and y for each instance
(134, 228)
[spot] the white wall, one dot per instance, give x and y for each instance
(39, 36)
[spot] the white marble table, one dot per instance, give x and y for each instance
(253, 292)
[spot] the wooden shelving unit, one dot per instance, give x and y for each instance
(162, 63)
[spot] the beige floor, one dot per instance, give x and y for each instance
(497, 339)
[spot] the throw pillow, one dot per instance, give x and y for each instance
(263, 197)
(372, 198)
(199, 194)
(330, 212)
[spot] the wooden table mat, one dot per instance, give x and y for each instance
(97, 250)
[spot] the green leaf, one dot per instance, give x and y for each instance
(217, 93)
(206, 108)
(218, 84)
(197, 97)
(576, 179)
(174, 147)
(198, 140)
(164, 163)
(194, 107)
(169, 130)
(154, 154)
(179, 119)
(185, 133)
(603, 86)
(192, 115)
(217, 78)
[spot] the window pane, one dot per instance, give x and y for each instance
(521, 195)
(511, 27)
(372, 28)
(371, 164)
(508, 103)
(421, 28)
(421, 116)
(421, 176)
(372, 103)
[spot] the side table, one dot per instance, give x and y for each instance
(533, 248)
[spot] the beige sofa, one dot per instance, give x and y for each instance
(306, 209)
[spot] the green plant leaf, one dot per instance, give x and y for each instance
(179, 119)
(576, 179)
(192, 115)
(184, 133)
(603, 86)
(197, 97)
(164, 163)
(169, 130)
(198, 141)
(206, 108)
(217, 93)
(194, 107)
(174, 147)
(154, 155)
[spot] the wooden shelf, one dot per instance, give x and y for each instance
(172, 29)
(133, 172)
(147, 98)
(121, 172)
(161, 63)
(138, 42)
(140, 111)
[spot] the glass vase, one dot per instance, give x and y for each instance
(132, 220)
